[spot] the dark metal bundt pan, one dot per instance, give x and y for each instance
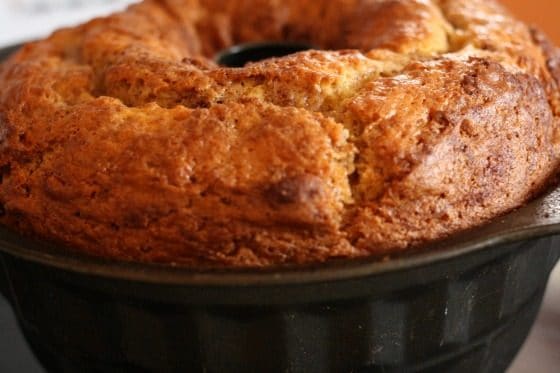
(465, 305)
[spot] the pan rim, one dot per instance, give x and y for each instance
(508, 229)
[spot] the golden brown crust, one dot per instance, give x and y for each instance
(122, 138)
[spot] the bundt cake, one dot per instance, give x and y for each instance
(410, 120)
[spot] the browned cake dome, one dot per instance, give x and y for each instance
(417, 119)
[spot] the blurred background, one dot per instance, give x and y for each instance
(22, 20)
(27, 19)
(543, 13)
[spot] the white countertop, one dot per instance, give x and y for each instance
(22, 20)
(541, 353)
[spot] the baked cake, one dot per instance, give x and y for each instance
(412, 120)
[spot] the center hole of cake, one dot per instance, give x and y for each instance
(242, 54)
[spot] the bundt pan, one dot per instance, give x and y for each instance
(462, 305)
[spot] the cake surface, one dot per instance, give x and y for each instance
(416, 119)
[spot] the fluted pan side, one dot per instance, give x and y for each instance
(471, 317)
